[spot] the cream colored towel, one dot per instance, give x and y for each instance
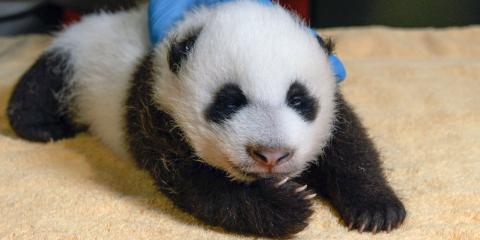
(418, 91)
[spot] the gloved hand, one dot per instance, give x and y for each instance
(164, 13)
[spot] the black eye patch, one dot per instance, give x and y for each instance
(179, 52)
(299, 99)
(228, 100)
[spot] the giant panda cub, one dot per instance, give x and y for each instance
(236, 115)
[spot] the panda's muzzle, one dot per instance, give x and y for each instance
(269, 157)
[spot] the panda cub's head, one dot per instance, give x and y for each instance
(250, 87)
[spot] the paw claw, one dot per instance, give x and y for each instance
(282, 182)
(301, 189)
(362, 228)
(374, 230)
(350, 226)
(308, 197)
(292, 214)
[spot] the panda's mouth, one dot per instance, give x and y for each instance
(252, 171)
(257, 175)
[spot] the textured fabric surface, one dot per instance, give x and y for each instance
(416, 90)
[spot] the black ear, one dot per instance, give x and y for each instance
(179, 51)
(328, 44)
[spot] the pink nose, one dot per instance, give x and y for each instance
(269, 157)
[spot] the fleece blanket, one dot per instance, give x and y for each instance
(416, 90)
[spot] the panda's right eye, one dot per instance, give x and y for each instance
(228, 100)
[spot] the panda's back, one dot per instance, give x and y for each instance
(104, 50)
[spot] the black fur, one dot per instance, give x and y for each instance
(158, 146)
(179, 51)
(34, 110)
(228, 100)
(328, 44)
(302, 102)
(350, 176)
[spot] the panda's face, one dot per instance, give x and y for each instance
(251, 88)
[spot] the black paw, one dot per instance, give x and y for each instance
(374, 215)
(279, 209)
(35, 111)
(41, 126)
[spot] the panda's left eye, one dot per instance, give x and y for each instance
(296, 101)
(228, 100)
(299, 99)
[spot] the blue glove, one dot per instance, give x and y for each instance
(164, 13)
(337, 67)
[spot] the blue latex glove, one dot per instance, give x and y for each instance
(164, 13)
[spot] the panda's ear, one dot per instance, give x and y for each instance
(180, 49)
(327, 44)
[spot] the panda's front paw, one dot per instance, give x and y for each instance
(373, 214)
(284, 207)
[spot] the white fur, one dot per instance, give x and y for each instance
(105, 49)
(261, 48)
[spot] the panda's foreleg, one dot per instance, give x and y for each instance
(35, 109)
(260, 208)
(350, 175)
